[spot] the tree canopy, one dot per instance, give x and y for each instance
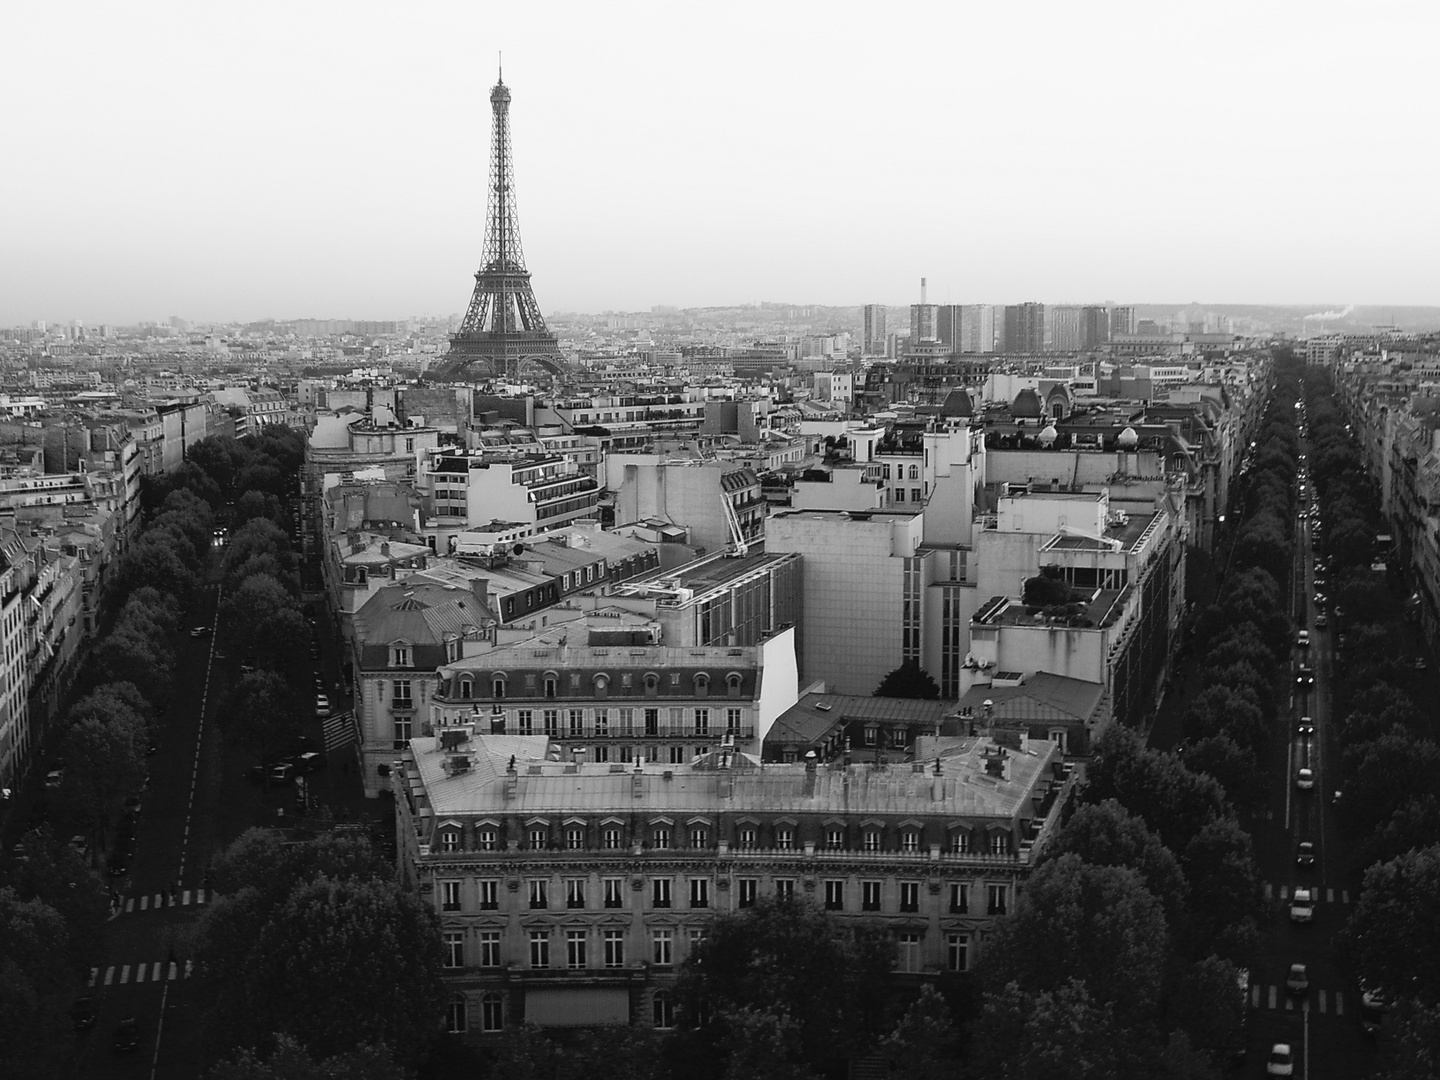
(909, 680)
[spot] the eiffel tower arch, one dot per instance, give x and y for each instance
(503, 331)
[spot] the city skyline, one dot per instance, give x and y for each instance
(329, 161)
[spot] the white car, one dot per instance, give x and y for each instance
(322, 706)
(1281, 1061)
(1302, 905)
(1303, 639)
(1305, 779)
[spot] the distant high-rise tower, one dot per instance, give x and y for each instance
(872, 339)
(1094, 327)
(503, 328)
(1024, 328)
(977, 328)
(1065, 328)
(1122, 320)
(922, 319)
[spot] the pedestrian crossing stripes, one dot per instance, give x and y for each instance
(1328, 1002)
(1327, 894)
(185, 898)
(156, 971)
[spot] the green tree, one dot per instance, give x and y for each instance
(129, 654)
(1173, 801)
(924, 1044)
(1393, 935)
(105, 760)
(769, 959)
(909, 680)
(35, 981)
(290, 1061)
(1223, 709)
(259, 504)
(1387, 772)
(1098, 925)
(1415, 824)
(266, 861)
(1235, 769)
(263, 713)
(249, 607)
(1411, 1046)
(1024, 1034)
(1209, 1006)
(372, 945)
(156, 564)
(55, 874)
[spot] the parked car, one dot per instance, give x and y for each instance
(199, 631)
(1302, 639)
(82, 1013)
(1321, 622)
(309, 762)
(322, 705)
(54, 778)
(127, 1035)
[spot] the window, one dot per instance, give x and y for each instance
(699, 892)
(492, 1013)
(1000, 844)
(870, 896)
(552, 723)
(747, 889)
(454, 949)
(402, 697)
(872, 734)
(732, 684)
(959, 898)
(614, 892)
(914, 472)
(662, 1008)
(872, 840)
(995, 899)
(489, 894)
(734, 718)
(747, 837)
(784, 888)
(834, 896)
(662, 946)
(489, 840)
(885, 472)
(602, 754)
(402, 732)
(699, 836)
(660, 838)
(652, 687)
(702, 689)
(660, 892)
(652, 723)
(677, 716)
(909, 896)
(575, 948)
(677, 755)
(957, 952)
(449, 896)
(626, 754)
(916, 496)
(552, 686)
(899, 495)
(835, 839)
(497, 688)
(960, 843)
(575, 837)
(785, 838)
(613, 839)
(449, 840)
(910, 840)
(455, 1015)
(539, 839)
(489, 948)
(525, 721)
(539, 893)
(602, 723)
(574, 892)
(697, 937)
(627, 721)
(539, 948)
(614, 941)
(400, 656)
(909, 952)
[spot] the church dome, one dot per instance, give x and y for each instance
(1127, 439)
(1027, 405)
(1049, 435)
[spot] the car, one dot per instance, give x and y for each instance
(322, 705)
(152, 748)
(247, 666)
(1306, 727)
(1373, 1007)
(1304, 676)
(1281, 1061)
(54, 778)
(127, 1035)
(1319, 582)
(1305, 779)
(309, 762)
(119, 865)
(132, 802)
(1298, 981)
(1321, 622)
(281, 771)
(1302, 905)
(1302, 639)
(1305, 853)
(82, 1013)
(1320, 598)
(199, 631)
(1420, 664)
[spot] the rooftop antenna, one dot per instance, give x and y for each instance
(500, 65)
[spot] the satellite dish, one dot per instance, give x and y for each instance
(518, 549)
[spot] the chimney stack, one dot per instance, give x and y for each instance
(637, 778)
(810, 771)
(937, 783)
(922, 290)
(512, 781)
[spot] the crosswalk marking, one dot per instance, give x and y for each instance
(144, 903)
(1268, 891)
(109, 974)
(94, 974)
(1322, 1000)
(1284, 892)
(1329, 896)
(124, 974)
(1272, 997)
(1345, 896)
(1339, 1003)
(1255, 996)
(155, 974)
(139, 973)
(156, 971)
(156, 901)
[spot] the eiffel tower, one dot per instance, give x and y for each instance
(503, 328)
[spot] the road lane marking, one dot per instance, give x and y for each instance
(130, 905)
(94, 974)
(1255, 996)
(1330, 896)
(144, 903)
(1345, 896)
(1269, 891)
(1322, 1001)
(1284, 892)
(109, 974)
(1272, 997)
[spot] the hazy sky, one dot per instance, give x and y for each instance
(299, 159)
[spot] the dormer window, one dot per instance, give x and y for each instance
(602, 685)
(402, 655)
(702, 685)
(652, 684)
(467, 689)
(552, 684)
(732, 684)
(497, 687)
(452, 651)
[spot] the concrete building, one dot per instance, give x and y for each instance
(461, 492)
(570, 889)
(722, 505)
(1024, 330)
(720, 599)
(873, 335)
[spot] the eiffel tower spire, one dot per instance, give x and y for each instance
(503, 328)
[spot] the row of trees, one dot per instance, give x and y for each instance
(1390, 762)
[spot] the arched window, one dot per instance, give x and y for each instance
(467, 688)
(702, 685)
(914, 472)
(552, 684)
(602, 685)
(497, 686)
(732, 684)
(455, 1015)
(492, 1012)
(662, 1007)
(652, 684)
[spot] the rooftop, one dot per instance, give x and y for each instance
(810, 718)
